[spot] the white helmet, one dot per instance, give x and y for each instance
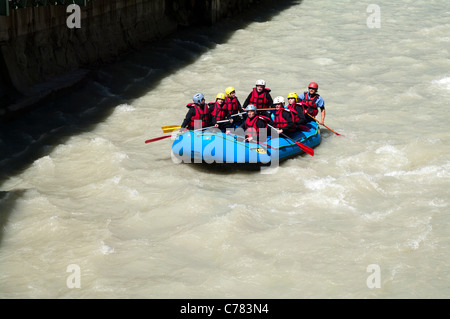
(278, 99)
(251, 107)
(261, 82)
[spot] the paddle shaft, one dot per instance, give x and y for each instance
(167, 136)
(259, 143)
(157, 138)
(171, 128)
(305, 148)
(204, 128)
(322, 124)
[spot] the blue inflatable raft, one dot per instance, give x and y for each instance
(215, 147)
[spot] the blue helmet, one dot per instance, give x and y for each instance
(197, 98)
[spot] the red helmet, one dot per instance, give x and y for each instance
(313, 85)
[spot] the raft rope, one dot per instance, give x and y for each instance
(226, 137)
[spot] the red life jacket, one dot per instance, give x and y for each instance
(296, 119)
(295, 116)
(219, 112)
(280, 121)
(260, 99)
(232, 105)
(251, 127)
(310, 103)
(201, 114)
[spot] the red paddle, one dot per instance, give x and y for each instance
(157, 138)
(305, 148)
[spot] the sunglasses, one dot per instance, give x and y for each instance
(312, 89)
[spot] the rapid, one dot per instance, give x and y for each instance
(88, 210)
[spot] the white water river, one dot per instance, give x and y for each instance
(366, 217)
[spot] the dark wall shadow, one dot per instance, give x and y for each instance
(80, 109)
(7, 203)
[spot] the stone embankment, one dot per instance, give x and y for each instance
(49, 45)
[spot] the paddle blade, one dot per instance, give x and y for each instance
(170, 128)
(305, 148)
(157, 138)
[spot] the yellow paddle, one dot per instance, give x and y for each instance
(170, 128)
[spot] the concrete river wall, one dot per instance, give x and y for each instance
(49, 45)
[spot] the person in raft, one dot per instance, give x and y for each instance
(234, 106)
(283, 117)
(298, 112)
(198, 111)
(313, 102)
(219, 113)
(260, 97)
(254, 123)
